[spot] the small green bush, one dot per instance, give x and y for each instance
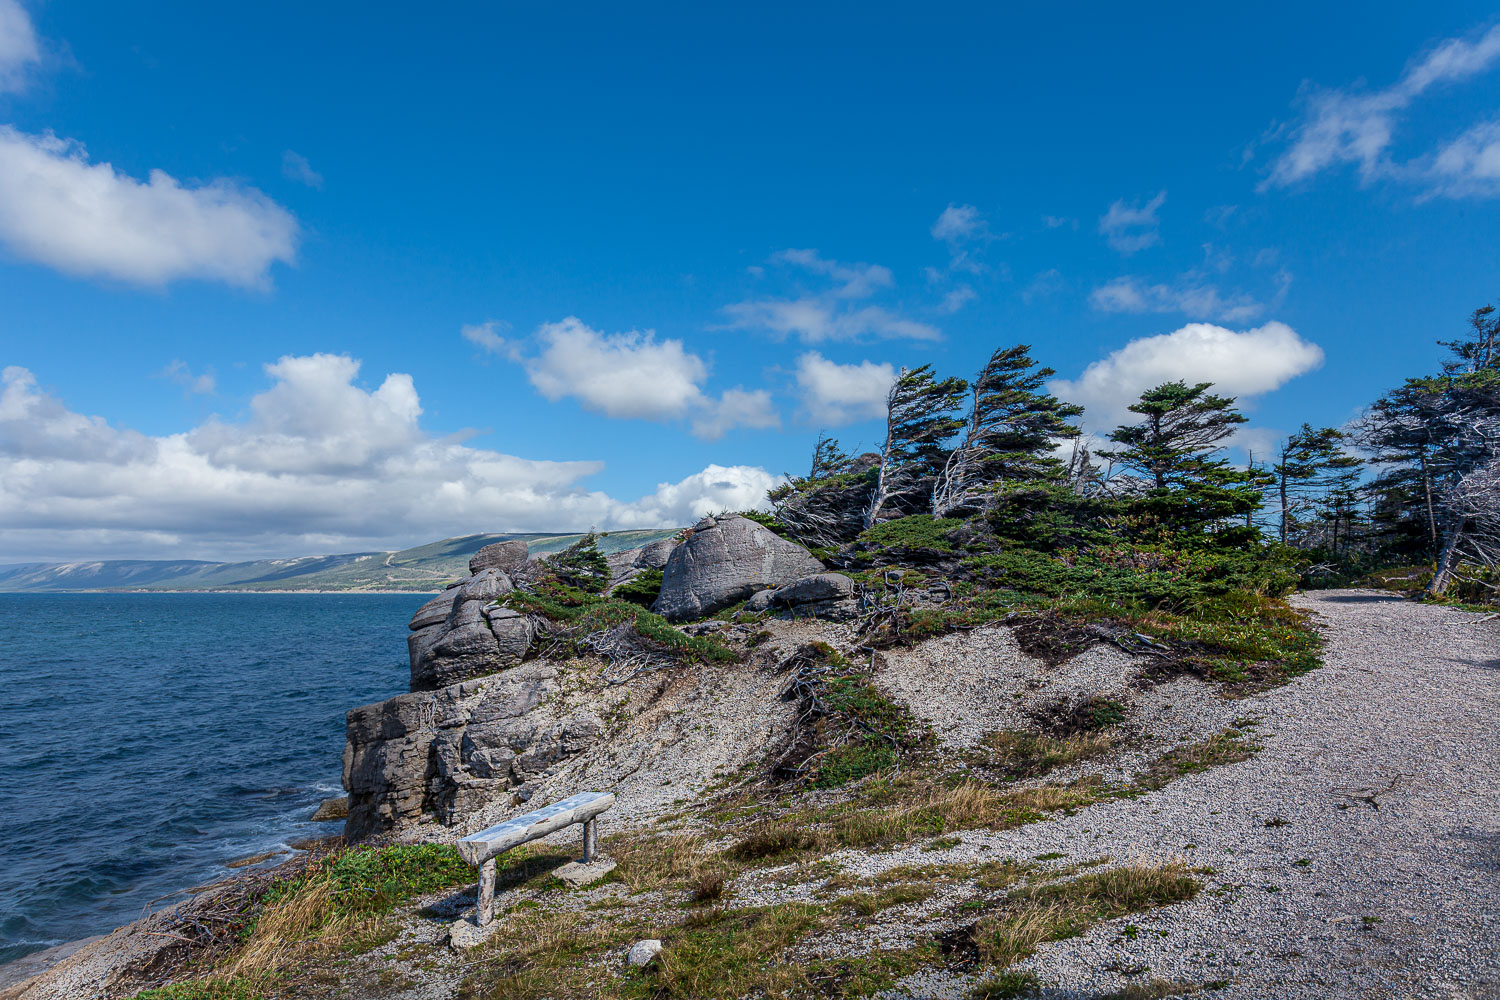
(852, 762)
(582, 565)
(584, 613)
(914, 533)
(378, 878)
(642, 589)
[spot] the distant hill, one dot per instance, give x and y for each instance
(426, 567)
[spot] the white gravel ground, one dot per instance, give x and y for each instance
(1402, 900)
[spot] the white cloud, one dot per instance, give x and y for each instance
(1344, 127)
(179, 372)
(1048, 282)
(957, 298)
(1469, 166)
(1059, 221)
(1134, 227)
(294, 167)
(320, 465)
(18, 45)
(736, 407)
(1242, 364)
(716, 489)
(816, 320)
(858, 281)
(834, 394)
(959, 224)
(833, 313)
(486, 336)
(58, 209)
(634, 376)
(631, 375)
(960, 227)
(1195, 299)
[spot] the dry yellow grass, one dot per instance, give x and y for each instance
(911, 812)
(1051, 911)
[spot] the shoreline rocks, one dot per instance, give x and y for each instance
(458, 635)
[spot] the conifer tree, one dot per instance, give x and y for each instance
(1173, 448)
(1311, 464)
(828, 459)
(920, 418)
(1010, 434)
(1445, 430)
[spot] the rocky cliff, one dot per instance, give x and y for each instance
(501, 700)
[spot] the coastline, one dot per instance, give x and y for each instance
(119, 590)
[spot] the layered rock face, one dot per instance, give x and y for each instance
(467, 730)
(626, 566)
(446, 753)
(724, 561)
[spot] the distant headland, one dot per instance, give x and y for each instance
(423, 568)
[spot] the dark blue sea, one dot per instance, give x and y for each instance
(147, 739)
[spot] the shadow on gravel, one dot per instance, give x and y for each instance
(1483, 849)
(1361, 598)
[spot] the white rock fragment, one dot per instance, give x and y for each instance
(642, 953)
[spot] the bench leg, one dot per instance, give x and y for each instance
(486, 892)
(590, 841)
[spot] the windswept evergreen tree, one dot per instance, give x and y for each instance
(1311, 465)
(1441, 434)
(921, 416)
(828, 459)
(1010, 434)
(1173, 449)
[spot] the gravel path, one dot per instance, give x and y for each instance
(1316, 892)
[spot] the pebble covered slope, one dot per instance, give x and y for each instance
(1316, 892)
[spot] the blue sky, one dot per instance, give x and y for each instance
(331, 277)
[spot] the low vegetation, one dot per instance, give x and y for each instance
(582, 622)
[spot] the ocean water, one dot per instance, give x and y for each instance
(147, 739)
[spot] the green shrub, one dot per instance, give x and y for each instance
(914, 533)
(378, 878)
(583, 613)
(852, 762)
(582, 565)
(642, 589)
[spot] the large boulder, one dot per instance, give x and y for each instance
(504, 556)
(462, 634)
(486, 585)
(822, 595)
(445, 754)
(655, 555)
(724, 561)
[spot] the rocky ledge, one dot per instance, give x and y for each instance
(488, 713)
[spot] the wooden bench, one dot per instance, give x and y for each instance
(483, 847)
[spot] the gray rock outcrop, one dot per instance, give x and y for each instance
(822, 595)
(725, 560)
(458, 635)
(449, 752)
(504, 556)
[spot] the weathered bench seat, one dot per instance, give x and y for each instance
(483, 847)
